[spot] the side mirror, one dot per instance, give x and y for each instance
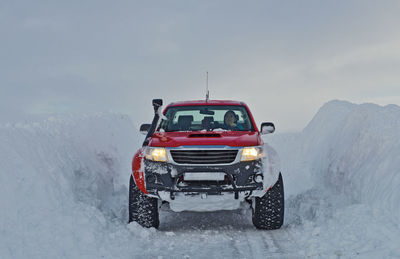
(267, 128)
(144, 128)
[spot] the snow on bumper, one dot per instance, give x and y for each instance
(202, 202)
(239, 177)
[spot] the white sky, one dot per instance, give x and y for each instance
(283, 58)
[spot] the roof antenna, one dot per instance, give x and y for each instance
(207, 93)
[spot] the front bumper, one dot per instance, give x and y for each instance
(166, 177)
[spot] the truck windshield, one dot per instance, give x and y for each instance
(206, 117)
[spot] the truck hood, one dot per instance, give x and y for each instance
(195, 138)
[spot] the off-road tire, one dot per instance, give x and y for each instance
(268, 211)
(142, 208)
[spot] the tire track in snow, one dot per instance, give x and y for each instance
(256, 244)
(234, 232)
(282, 243)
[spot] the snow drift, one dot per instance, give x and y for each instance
(361, 152)
(61, 181)
(342, 176)
(351, 149)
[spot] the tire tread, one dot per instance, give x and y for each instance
(142, 208)
(268, 211)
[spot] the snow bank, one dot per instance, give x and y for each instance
(351, 149)
(62, 181)
(341, 177)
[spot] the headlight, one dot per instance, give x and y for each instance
(158, 154)
(251, 153)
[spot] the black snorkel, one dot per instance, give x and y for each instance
(157, 103)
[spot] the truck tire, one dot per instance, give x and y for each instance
(268, 211)
(142, 208)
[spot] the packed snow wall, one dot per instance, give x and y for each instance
(349, 149)
(61, 181)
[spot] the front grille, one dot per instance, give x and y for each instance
(204, 156)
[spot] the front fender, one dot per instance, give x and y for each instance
(271, 169)
(138, 170)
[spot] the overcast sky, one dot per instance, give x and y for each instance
(283, 58)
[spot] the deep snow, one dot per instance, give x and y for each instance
(63, 192)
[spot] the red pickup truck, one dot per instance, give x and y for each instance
(206, 155)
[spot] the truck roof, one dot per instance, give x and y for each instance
(204, 102)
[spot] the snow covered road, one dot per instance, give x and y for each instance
(63, 193)
(316, 226)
